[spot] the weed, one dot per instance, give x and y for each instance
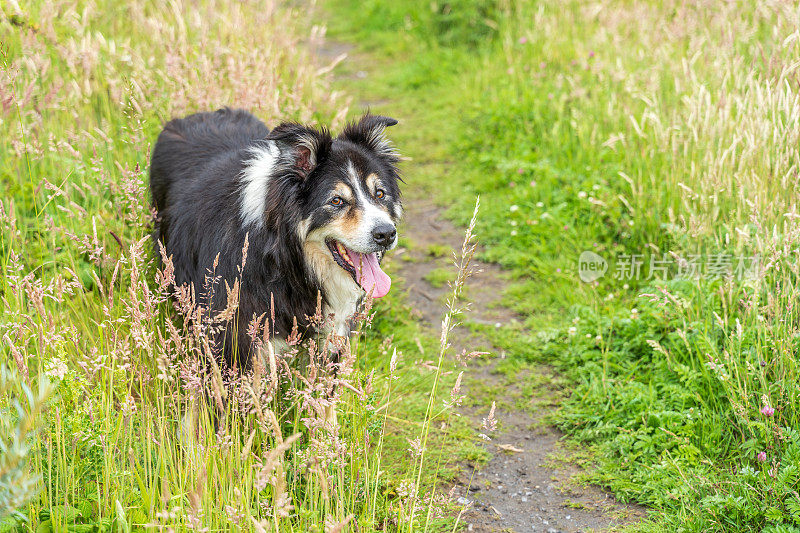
(439, 277)
(437, 250)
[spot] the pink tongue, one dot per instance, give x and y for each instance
(369, 273)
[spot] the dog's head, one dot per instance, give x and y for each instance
(349, 196)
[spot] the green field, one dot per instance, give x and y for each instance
(662, 136)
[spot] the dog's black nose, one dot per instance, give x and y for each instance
(384, 234)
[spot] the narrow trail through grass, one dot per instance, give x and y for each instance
(661, 140)
(526, 482)
(526, 479)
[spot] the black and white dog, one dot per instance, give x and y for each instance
(318, 212)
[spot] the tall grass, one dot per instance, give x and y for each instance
(144, 428)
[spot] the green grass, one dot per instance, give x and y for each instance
(438, 250)
(597, 128)
(439, 277)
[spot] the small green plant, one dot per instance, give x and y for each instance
(438, 250)
(439, 277)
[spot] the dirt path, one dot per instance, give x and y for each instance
(529, 489)
(525, 490)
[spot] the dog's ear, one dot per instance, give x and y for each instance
(369, 132)
(308, 146)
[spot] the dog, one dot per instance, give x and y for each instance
(317, 212)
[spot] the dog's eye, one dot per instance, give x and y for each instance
(379, 194)
(337, 201)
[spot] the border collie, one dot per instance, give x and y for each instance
(318, 213)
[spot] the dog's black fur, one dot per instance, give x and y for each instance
(196, 186)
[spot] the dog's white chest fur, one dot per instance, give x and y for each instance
(342, 294)
(342, 304)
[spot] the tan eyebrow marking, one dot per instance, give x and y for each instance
(344, 190)
(373, 182)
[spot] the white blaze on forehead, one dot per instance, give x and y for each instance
(352, 173)
(255, 179)
(373, 215)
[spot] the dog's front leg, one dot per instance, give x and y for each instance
(331, 421)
